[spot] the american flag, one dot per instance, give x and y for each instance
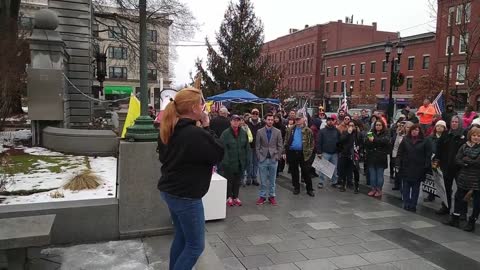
(344, 104)
(439, 103)
(304, 111)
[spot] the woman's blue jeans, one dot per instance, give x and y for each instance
(189, 221)
(376, 177)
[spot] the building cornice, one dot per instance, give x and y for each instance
(425, 37)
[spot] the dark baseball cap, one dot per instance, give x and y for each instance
(235, 117)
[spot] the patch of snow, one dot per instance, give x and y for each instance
(104, 167)
(25, 109)
(2, 149)
(39, 151)
(10, 137)
(118, 255)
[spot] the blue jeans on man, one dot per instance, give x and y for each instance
(333, 158)
(410, 193)
(268, 176)
(189, 222)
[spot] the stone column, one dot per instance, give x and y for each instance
(141, 210)
(45, 83)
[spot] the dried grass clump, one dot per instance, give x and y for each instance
(85, 180)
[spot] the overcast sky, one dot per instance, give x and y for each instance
(409, 17)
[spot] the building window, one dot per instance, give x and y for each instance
(458, 19)
(335, 71)
(396, 66)
(303, 67)
(426, 62)
(448, 41)
(117, 73)
(334, 86)
(344, 70)
(446, 70)
(328, 72)
(327, 87)
(372, 84)
(461, 73)
(384, 66)
(463, 43)
(152, 74)
(468, 12)
(296, 52)
(383, 85)
(362, 85)
(343, 86)
(117, 53)
(117, 32)
(409, 84)
(152, 55)
(373, 66)
(352, 69)
(451, 11)
(411, 63)
(362, 68)
(308, 66)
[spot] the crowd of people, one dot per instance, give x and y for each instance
(250, 150)
(411, 147)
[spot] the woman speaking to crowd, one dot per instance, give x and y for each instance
(188, 154)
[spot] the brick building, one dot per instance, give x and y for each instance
(300, 53)
(464, 24)
(363, 69)
(321, 60)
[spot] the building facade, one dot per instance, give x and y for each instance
(118, 39)
(300, 54)
(459, 19)
(363, 71)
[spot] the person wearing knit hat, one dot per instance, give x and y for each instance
(476, 122)
(441, 123)
(438, 131)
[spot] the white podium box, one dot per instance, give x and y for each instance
(214, 202)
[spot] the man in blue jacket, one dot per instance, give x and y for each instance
(328, 138)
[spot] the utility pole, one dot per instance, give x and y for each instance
(143, 129)
(449, 59)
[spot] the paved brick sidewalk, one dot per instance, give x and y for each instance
(333, 230)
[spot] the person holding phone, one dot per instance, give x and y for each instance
(186, 172)
(377, 146)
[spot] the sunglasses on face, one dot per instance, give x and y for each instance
(255, 113)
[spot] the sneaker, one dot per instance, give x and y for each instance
(372, 192)
(272, 201)
(260, 201)
(310, 193)
(230, 201)
(237, 202)
(320, 185)
(378, 194)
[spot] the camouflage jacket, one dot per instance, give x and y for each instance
(308, 142)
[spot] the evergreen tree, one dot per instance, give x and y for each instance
(237, 64)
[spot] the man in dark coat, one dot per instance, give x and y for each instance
(255, 123)
(221, 122)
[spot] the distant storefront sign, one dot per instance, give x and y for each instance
(118, 90)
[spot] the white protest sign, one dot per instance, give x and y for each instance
(324, 166)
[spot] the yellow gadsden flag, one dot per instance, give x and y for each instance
(132, 115)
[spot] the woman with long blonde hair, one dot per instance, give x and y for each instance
(187, 153)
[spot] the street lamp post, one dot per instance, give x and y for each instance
(101, 59)
(388, 50)
(143, 129)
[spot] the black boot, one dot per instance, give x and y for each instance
(454, 221)
(443, 211)
(470, 227)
